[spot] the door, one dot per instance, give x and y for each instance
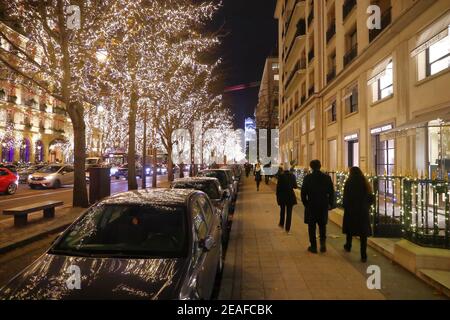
(202, 258)
(4, 181)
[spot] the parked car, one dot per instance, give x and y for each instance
(8, 181)
(10, 167)
(220, 199)
(159, 244)
(52, 176)
(25, 172)
(236, 175)
(226, 181)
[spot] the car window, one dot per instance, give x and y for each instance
(127, 231)
(68, 169)
(3, 173)
(201, 229)
(207, 210)
(220, 175)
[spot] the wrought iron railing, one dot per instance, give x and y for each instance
(411, 208)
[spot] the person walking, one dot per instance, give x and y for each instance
(317, 197)
(258, 175)
(286, 198)
(358, 198)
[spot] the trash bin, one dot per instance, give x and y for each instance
(99, 184)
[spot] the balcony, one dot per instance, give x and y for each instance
(291, 16)
(386, 20)
(348, 7)
(350, 55)
(301, 31)
(12, 99)
(331, 75)
(302, 100)
(311, 55)
(300, 65)
(310, 17)
(331, 31)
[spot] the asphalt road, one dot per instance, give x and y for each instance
(25, 195)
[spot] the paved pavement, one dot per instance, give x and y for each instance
(263, 262)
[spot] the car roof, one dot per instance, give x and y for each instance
(152, 197)
(197, 179)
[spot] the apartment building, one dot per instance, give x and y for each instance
(266, 112)
(376, 98)
(34, 126)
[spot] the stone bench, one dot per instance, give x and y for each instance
(21, 213)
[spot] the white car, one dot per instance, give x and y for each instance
(52, 176)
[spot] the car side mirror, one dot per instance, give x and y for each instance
(207, 244)
(225, 195)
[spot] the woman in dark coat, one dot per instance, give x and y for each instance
(258, 175)
(358, 199)
(286, 197)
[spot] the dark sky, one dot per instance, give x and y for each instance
(250, 31)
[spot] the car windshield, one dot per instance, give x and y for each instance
(50, 169)
(91, 161)
(132, 231)
(220, 175)
(207, 187)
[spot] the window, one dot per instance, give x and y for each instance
(332, 113)
(303, 124)
(200, 226)
(351, 100)
(383, 87)
(438, 56)
(207, 211)
(274, 66)
(276, 77)
(312, 119)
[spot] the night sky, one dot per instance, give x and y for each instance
(250, 36)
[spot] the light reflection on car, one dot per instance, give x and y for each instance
(220, 199)
(148, 244)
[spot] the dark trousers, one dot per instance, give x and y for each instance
(258, 182)
(286, 216)
(363, 240)
(312, 233)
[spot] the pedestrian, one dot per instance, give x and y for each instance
(318, 198)
(286, 197)
(258, 175)
(358, 198)
(248, 167)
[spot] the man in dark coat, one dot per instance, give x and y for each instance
(286, 197)
(318, 198)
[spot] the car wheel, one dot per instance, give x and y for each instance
(32, 186)
(57, 184)
(12, 188)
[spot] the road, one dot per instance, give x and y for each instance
(25, 195)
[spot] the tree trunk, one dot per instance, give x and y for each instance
(155, 168)
(170, 176)
(80, 196)
(132, 183)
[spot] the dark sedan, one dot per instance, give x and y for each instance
(153, 244)
(220, 199)
(225, 179)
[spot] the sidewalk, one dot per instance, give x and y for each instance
(263, 262)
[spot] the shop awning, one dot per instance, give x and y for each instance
(421, 121)
(379, 71)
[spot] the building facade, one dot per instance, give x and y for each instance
(266, 113)
(351, 95)
(34, 126)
